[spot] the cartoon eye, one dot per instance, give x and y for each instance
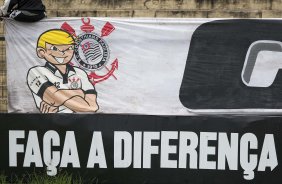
(54, 48)
(71, 48)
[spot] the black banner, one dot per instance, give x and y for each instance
(214, 74)
(145, 149)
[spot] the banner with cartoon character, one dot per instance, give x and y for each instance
(144, 66)
(97, 65)
(146, 79)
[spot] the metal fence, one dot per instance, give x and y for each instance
(3, 76)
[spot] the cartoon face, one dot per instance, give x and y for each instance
(56, 54)
(55, 46)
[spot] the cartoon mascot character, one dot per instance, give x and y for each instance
(59, 87)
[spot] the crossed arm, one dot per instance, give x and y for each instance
(76, 100)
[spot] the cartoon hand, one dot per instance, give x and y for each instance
(45, 108)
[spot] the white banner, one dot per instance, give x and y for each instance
(132, 66)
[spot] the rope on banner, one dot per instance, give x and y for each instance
(3, 74)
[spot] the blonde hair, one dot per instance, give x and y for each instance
(54, 37)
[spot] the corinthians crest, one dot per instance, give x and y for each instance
(92, 52)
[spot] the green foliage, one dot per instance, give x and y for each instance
(43, 178)
(3, 178)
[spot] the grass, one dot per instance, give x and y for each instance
(43, 178)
